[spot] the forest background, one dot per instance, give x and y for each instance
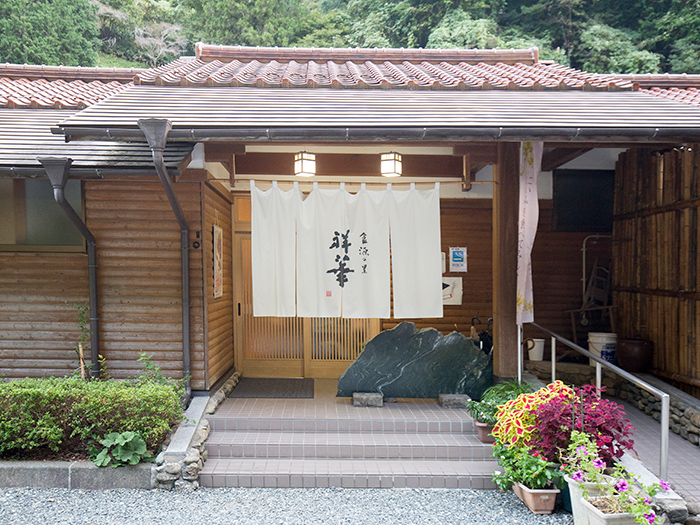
(607, 36)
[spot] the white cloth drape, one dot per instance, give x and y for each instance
(367, 293)
(528, 216)
(415, 253)
(328, 255)
(273, 248)
(322, 223)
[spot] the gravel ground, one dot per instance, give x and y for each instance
(269, 506)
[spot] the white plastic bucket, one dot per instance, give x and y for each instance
(536, 351)
(603, 344)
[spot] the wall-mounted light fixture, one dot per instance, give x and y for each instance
(304, 164)
(391, 164)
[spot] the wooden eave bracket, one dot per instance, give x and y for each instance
(560, 156)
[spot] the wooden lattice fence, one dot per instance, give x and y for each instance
(656, 258)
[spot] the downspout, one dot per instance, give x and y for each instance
(156, 132)
(57, 169)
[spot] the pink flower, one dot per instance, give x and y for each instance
(622, 486)
(598, 463)
(582, 450)
(664, 485)
(651, 517)
(577, 476)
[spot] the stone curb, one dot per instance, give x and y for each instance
(179, 465)
(73, 475)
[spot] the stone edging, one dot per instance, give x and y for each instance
(179, 465)
(73, 475)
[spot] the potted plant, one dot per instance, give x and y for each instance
(583, 469)
(484, 411)
(534, 479)
(623, 500)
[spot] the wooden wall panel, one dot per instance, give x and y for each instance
(38, 324)
(657, 258)
(219, 311)
(138, 271)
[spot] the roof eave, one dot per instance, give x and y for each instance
(394, 134)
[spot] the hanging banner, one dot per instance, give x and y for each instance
(218, 236)
(528, 216)
(323, 254)
(274, 216)
(416, 262)
(367, 293)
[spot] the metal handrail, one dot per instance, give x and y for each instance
(600, 362)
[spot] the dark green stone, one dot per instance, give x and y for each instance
(411, 363)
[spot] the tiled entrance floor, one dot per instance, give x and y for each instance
(325, 441)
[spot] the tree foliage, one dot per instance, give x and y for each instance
(620, 36)
(48, 32)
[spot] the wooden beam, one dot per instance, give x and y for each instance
(559, 156)
(506, 193)
(480, 152)
(222, 151)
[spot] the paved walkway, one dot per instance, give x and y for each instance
(684, 457)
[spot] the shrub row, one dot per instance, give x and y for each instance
(70, 415)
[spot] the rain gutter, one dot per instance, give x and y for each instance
(156, 133)
(393, 134)
(57, 169)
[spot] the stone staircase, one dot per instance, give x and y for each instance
(301, 443)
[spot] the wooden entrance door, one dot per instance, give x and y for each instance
(320, 347)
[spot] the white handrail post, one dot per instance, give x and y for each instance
(520, 353)
(554, 360)
(663, 456)
(598, 377)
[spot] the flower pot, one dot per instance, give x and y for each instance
(576, 491)
(539, 501)
(635, 355)
(483, 432)
(596, 517)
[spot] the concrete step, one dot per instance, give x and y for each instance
(312, 473)
(410, 425)
(333, 445)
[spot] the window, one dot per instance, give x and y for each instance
(30, 218)
(583, 200)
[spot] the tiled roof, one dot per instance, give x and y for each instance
(221, 66)
(663, 80)
(67, 73)
(55, 94)
(688, 96)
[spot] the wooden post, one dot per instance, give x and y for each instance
(505, 248)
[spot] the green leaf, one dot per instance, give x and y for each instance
(102, 459)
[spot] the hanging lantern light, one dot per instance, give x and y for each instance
(391, 164)
(304, 164)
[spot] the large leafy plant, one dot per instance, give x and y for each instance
(125, 448)
(495, 396)
(524, 466)
(517, 418)
(584, 411)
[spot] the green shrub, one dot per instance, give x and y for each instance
(69, 415)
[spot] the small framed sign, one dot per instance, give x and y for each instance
(458, 259)
(218, 262)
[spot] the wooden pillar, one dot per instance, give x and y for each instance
(505, 248)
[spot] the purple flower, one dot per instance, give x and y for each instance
(664, 485)
(651, 517)
(647, 501)
(598, 463)
(622, 486)
(577, 476)
(582, 450)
